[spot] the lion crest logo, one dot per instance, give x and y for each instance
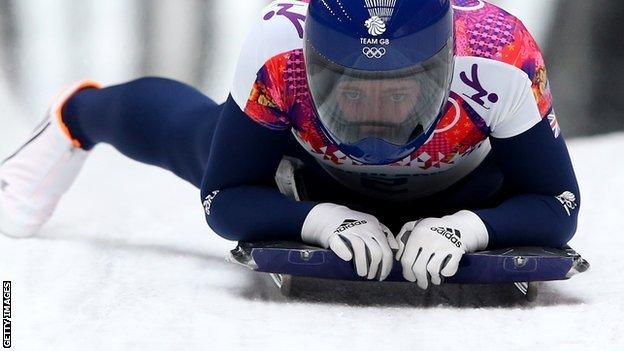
(568, 200)
(376, 26)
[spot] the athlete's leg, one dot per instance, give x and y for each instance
(157, 121)
(152, 120)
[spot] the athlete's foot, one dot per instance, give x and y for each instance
(35, 177)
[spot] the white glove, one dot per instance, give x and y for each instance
(353, 236)
(434, 246)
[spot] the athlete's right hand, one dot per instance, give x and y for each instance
(353, 236)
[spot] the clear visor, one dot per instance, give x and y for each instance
(396, 106)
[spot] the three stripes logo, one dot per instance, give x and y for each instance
(348, 224)
(453, 235)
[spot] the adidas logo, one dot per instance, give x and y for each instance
(453, 235)
(349, 223)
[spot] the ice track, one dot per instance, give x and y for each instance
(128, 264)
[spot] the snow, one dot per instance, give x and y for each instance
(127, 263)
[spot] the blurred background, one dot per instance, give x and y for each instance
(47, 44)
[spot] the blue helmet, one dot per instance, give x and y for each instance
(379, 72)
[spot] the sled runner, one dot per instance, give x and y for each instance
(525, 267)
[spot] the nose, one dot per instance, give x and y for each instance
(373, 108)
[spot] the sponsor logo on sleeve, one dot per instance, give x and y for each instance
(208, 201)
(568, 200)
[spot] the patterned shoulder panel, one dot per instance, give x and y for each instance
(487, 31)
(267, 104)
(259, 82)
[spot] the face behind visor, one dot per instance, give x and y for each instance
(394, 106)
(379, 73)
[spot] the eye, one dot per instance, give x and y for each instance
(397, 97)
(352, 95)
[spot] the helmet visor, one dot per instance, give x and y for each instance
(396, 106)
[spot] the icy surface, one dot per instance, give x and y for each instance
(127, 263)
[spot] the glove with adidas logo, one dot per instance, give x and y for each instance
(353, 236)
(432, 248)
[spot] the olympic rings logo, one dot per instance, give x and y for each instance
(373, 52)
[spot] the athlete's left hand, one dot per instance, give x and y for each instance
(432, 247)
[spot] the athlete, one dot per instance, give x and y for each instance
(432, 118)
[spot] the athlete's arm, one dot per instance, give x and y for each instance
(533, 156)
(240, 197)
(242, 202)
(238, 189)
(538, 168)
